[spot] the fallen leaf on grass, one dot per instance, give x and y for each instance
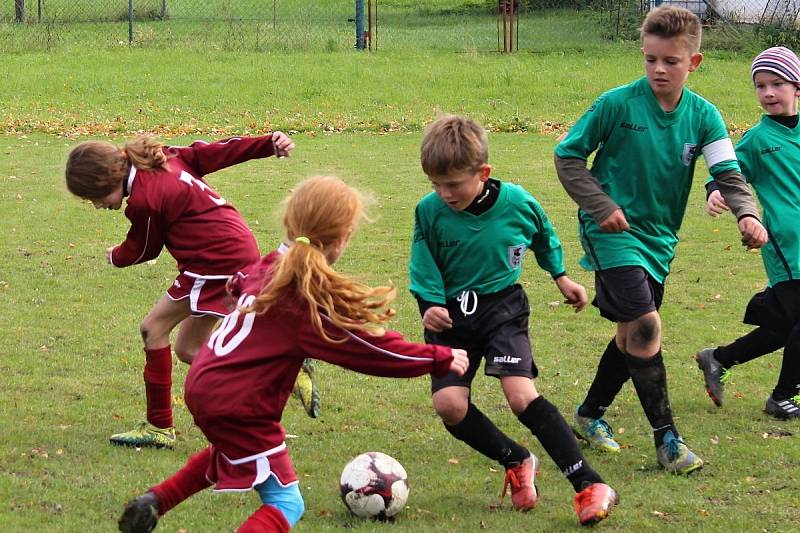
(453, 461)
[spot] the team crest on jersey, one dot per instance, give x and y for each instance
(515, 255)
(689, 153)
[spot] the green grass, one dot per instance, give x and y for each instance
(73, 364)
(72, 361)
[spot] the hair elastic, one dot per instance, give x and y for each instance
(304, 240)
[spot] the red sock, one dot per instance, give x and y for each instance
(267, 519)
(182, 484)
(158, 386)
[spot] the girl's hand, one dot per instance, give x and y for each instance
(574, 293)
(109, 251)
(437, 319)
(460, 362)
(715, 205)
(282, 144)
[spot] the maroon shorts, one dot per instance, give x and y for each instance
(206, 294)
(244, 474)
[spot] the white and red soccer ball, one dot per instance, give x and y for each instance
(374, 485)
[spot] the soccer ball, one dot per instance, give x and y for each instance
(374, 485)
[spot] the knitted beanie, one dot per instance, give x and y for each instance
(780, 61)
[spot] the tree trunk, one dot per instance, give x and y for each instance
(19, 10)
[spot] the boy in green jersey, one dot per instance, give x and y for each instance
(769, 154)
(470, 236)
(647, 136)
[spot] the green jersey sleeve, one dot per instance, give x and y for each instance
(546, 245)
(591, 130)
(425, 278)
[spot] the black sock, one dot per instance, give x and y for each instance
(650, 380)
(547, 424)
(612, 373)
(789, 378)
(758, 342)
(481, 434)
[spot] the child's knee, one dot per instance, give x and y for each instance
(451, 408)
(646, 330)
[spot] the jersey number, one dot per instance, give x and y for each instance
(220, 341)
(192, 181)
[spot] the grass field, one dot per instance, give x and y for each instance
(71, 371)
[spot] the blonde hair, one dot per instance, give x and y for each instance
(668, 22)
(453, 144)
(325, 211)
(95, 169)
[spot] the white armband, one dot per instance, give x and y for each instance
(719, 151)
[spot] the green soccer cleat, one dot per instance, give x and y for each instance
(596, 432)
(305, 390)
(146, 435)
(676, 457)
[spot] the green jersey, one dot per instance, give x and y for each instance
(770, 157)
(454, 251)
(644, 161)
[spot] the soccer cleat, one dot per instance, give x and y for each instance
(676, 457)
(146, 435)
(593, 503)
(140, 514)
(783, 409)
(596, 432)
(521, 478)
(305, 390)
(715, 376)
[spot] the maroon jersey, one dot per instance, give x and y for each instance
(176, 208)
(238, 384)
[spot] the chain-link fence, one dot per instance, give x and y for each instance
(261, 25)
(265, 25)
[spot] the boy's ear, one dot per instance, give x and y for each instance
(485, 171)
(694, 61)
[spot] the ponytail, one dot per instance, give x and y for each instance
(146, 153)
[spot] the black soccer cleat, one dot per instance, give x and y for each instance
(140, 514)
(783, 409)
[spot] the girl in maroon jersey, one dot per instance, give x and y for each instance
(290, 304)
(169, 204)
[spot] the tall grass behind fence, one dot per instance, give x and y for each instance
(264, 25)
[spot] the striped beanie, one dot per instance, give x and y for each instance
(778, 60)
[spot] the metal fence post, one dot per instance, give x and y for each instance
(130, 22)
(360, 45)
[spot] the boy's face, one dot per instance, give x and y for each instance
(668, 62)
(459, 189)
(776, 95)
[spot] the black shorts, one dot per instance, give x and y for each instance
(624, 294)
(492, 327)
(776, 308)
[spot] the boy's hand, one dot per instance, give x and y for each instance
(282, 144)
(615, 222)
(437, 319)
(715, 205)
(574, 293)
(754, 235)
(460, 362)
